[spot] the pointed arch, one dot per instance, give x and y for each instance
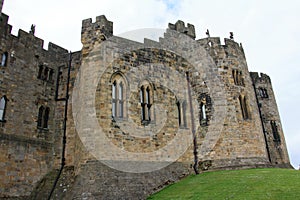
(118, 97)
(146, 101)
(40, 117)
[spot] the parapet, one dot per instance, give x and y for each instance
(101, 29)
(180, 27)
(5, 28)
(260, 77)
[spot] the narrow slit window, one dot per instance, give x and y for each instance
(40, 72)
(40, 117)
(46, 117)
(184, 113)
(179, 113)
(114, 107)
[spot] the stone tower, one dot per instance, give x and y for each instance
(270, 119)
(121, 118)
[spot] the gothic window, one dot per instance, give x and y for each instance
(244, 107)
(46, 117)
(45, 76)
(263, 93)
(45, 73)
(204, 108)
(181, 107)
(203, 119)
(50, 78)
(43, 117)
(145, 103)
(275, 131)
(41, 67)
(237, 77)
(146, 96)
(118, 97)
(114, 100)
(4, 59)
(3, 101)
(120, 100)
(40, 116)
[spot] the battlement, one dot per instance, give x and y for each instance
(26, 38)
(180, 27)
(5, 28)
(101, 29)
(260, 77)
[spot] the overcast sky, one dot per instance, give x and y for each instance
(269, 31)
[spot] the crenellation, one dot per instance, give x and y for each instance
(53, 48)
(30, 40)
(180, 27)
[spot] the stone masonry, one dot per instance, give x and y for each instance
(139, 115)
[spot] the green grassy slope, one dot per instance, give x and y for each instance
(236, 184)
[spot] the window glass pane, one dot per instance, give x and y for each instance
(1, 114)
(3, 60)
(114, 90)
(203, 111)
(113, 109)
(141, 95)
(121, 91)
(2, 103)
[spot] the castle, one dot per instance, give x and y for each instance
(122, 119)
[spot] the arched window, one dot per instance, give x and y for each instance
(114, 100)
(4, 59)
(40, 117)
(41, 67)
(45, 77)
(205, 106)
(46, 117)
(244, 107)
(237, 77)
(181, 106)
(3, 101)
(118, 96)
(263, 92)
(146, 101)
(203, 111)
(120, 100)
(50, 78)
(43, 117)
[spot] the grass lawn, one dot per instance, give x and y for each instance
(236, 184)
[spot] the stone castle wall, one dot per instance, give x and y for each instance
(205, 107)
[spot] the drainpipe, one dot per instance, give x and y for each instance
(261, 120)
(195, 166)
(66, 99)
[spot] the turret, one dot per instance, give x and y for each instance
(98, 31)
(272, 127)
(180, 27)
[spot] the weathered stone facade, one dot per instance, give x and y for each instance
(122, 119)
